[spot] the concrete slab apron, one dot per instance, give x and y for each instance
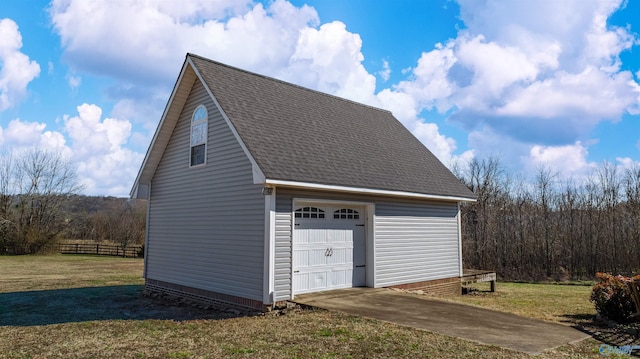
(482, 325)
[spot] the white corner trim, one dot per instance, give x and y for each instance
(370, 245)
(269, 280)
(258, 177)
(366, 190)
(460, 240)
(146, 236)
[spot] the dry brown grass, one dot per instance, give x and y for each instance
(25, 273)
(83, 307)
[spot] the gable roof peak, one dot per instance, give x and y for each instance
(270, 78)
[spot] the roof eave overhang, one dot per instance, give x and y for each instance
(360, 190)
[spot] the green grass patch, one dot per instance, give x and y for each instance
(547, 301)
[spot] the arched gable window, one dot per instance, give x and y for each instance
(309, 212)
(198, 151)
(346, 213)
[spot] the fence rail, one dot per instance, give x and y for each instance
(100, 249)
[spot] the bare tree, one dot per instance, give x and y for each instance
(7, 227)
(543, 229)
(127, 224)
(36, 184)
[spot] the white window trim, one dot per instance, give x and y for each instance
(206, 135)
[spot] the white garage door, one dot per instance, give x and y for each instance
(328, 248)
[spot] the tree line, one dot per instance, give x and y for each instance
(548, 228)
(40, 205)
(523, 228)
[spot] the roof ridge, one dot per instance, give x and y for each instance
(189, 54)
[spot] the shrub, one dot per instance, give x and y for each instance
(612, 297)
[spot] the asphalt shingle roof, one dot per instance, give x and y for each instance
(302, 135)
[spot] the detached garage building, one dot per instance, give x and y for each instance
(260, 190)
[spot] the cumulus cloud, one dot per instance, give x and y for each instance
(144, 42)
(429, 84)
(19, 136)
(533, 77)
(95, 146)
(277, 39)
(568, 160)
(544, 73)
(329, 59)
(441, 146)
(385, 73)
(104, 163)
(16, 69)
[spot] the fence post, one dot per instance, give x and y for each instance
(76, 248)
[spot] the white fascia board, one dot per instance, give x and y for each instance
(382, 192)
(258, 176)
(152, 147)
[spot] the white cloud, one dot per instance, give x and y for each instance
(277, 39)
(95, 146)
(385, 73)
(528, 80)
(21, 135)
(589, 97)
(74, 81)
(429, 85)
(527, 69)
(626, 163)
(495, 67)
(570, 161)
(330, 60)
(101, 36)
(16, 69)
(93, 135)
(402, 105)
(441, 146)
(103, 162)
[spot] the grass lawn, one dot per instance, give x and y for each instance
(552, 302)
(83, 306)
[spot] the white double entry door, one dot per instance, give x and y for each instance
(328, 247)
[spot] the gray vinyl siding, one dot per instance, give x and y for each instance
(206, 223)
(415, 240)
(282, 265)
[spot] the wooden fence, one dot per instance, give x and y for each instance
(101, 249)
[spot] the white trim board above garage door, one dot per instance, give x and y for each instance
(329, 246)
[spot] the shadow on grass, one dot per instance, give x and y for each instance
(616, 336)
(93, 303)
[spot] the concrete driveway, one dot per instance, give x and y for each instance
(482, 325)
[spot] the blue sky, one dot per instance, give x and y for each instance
(540, 84)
